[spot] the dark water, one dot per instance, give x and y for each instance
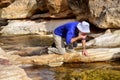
(68, 71)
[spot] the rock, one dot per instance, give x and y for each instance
(103, 14)
(19, 9)
(12, 72)
(16, 27)
(53, 9)
(100, 54)
(109, 39)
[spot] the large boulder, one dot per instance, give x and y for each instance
(102, 13)
(19, 9)
(16, 27)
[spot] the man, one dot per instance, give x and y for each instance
(71, 32)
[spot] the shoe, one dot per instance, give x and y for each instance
(52, 50)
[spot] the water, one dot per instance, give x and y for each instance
(68, 71)
(64, 71)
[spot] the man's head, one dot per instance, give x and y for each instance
(84, 27)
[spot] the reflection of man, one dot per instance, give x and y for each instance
(71, 32)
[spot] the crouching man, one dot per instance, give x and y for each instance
(71, 32)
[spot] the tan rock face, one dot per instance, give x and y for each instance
(57, 6)
(102, 13)
(106, 13)
(56, 9)
(19, 9)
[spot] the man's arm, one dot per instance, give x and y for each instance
(84, 52)
(82, 36)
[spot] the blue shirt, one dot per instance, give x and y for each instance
(67, 31)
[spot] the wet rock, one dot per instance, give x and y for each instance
(105, 13)
(101, 54)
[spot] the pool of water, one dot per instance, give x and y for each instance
(68, 71)
(64, 72)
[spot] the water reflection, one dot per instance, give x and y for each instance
(69, 71)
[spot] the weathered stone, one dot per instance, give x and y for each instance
(31, 27)
(19, 9)
(12, 72)
(101, 54)
(102, 13)
(109, 39)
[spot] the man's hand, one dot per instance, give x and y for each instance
(84, 52)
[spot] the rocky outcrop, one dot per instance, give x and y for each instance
(101, 54)
(108, 39)
(102, 13)
(31, 27)
(19, 9)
